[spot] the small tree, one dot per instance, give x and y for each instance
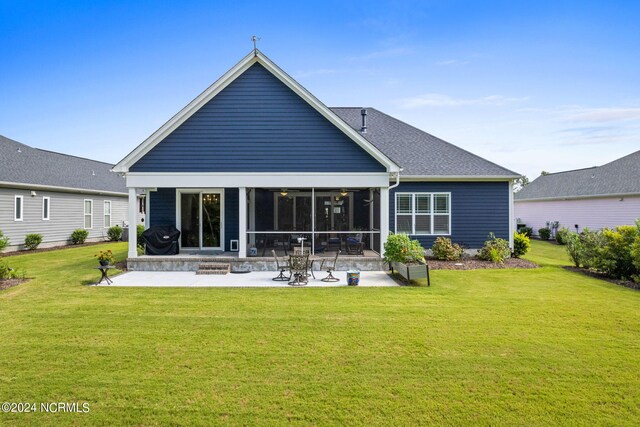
(520, 183)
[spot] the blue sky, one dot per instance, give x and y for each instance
(529, 85)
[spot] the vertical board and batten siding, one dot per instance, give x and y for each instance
(66, 213)
(257, 124)
(477, 208)
(595, 214)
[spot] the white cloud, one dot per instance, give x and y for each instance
(451, 62)
(602, 115)
(385, 53)
(318, 72)
(441, 100)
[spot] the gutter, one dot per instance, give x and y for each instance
(397, 180)
(589, 196)
(7, 184)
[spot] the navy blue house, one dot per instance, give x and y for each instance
(256, 161)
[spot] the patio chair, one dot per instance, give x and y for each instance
(298, 266)
(354, 246)
(307, 253)
(281, 265)
(329, 265)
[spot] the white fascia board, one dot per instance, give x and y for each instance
(244, 179)
(590, 196)
(6, 184)
(438, 178)
(223, 82)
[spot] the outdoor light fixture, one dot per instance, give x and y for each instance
(284, 192)
(343, 192)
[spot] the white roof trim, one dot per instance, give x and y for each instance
(54, 188)
(254, 57)
(587, 196)
(414, 178)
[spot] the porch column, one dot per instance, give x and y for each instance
(384, 217)
(511, 218)
(242, 222)
(133, 234)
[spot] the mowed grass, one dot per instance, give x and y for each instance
(488, 347)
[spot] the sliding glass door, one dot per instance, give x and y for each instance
(200, 219)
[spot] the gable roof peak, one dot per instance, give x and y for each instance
(255, 56)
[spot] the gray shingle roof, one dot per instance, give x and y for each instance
(417, 152)
(27, 165)
(620, 177)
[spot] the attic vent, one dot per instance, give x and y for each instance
(19, 150)
(363, 112)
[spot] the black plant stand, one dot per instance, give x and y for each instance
(104, 269)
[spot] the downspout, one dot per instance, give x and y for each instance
(397, 180)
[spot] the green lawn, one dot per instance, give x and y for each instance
(527, 347)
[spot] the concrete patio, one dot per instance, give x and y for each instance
(254, 279)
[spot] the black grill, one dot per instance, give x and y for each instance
(161, 240)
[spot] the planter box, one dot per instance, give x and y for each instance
(412, 271)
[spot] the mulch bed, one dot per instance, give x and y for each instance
(8, 283)
(626, 283)
(53, 248)
(473, 263)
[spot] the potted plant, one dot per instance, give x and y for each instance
(406, 256)
(105, 257)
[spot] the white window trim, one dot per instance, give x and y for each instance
(105, 214)
(15, 205)
(413, 212)
(48, 210)
(84, 214)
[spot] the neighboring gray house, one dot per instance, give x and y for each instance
(597, 197)
(53, 194)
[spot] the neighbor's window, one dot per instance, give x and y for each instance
(46, 201)
(423, 213)
(18, 209)
(107, 213)
(88, 213)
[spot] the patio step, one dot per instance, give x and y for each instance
(213, 268)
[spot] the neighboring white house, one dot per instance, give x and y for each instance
(53, 194)
(594, 198)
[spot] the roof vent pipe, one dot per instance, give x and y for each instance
(363, 112)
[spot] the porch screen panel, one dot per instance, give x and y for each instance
(285, 213)
(323, 213)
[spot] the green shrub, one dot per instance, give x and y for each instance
(561, 235)
(79, 236)
(32, 241)
(139, 231)
(614, 257)
(7, 272)
(521, 244)
(575, 248)
(527, 231)
(495, 249)
(443, 249)
(544, 233)
(591, 242)
(400, 248)
(4, 241)
(115, 233)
